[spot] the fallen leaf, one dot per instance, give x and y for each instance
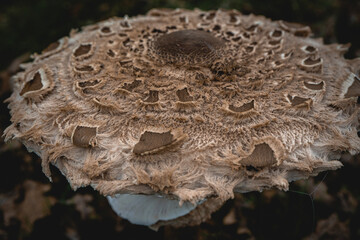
(27, 203)
(330, 228)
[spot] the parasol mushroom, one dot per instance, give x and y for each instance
(170, 113)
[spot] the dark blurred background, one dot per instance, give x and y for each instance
(324, 207)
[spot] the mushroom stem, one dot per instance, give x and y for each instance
(148, 209)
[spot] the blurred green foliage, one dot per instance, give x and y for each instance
(29, 26)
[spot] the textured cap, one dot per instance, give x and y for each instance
(189, 107)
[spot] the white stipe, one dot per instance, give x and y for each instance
(148, 209)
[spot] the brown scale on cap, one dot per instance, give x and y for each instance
(51, 47)
(85, 68)
(184, 95)
(82, 50)
(314, 86)
(153, 96)
(243, 108)
(54, 48)
(38, 84)
(182, 103)
(299, 101)
(354, 89)
(84, 136)
(105, 30)
(262, 156)
(152, 142)
(295, 28)
(33, 85)
(130, 86)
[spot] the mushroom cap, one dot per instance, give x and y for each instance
(188, 105)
